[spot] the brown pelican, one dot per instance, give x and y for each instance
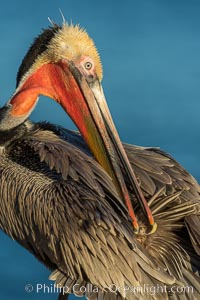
(59, 203)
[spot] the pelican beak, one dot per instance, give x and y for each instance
(83, 100)
(105, 144)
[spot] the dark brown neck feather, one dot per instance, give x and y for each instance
(39, 45)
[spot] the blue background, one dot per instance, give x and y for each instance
(151, 56)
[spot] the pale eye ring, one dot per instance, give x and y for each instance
(88, 65)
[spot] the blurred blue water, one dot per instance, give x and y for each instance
(151, 57)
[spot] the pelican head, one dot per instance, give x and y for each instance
(63, 64)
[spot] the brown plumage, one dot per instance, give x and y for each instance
(60, 204)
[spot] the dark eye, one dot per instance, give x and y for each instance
(88, 65)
